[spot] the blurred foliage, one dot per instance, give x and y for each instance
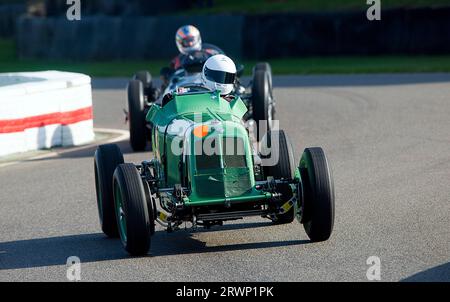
(261, 6)
(307, 65)
(264, 6)
(7, 51)
(12, 1)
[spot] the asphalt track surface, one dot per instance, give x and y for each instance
(388, 141)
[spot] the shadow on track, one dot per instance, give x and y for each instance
(97, 247)
(439, 273)
(89, 152)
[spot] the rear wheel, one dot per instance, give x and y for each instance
(276, 146)
(262, 104)
(318, 189)
(106, 159)
(136, 115)
(145, 77)
(134, 218)
(279, 149)
(268, 69)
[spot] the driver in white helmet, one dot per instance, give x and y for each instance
(219, 73)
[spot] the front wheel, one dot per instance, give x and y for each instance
(134, 218)
(318, 188)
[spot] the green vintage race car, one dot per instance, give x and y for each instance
(141, 94)
(206, 171)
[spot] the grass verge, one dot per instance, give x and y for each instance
(308, 65)
(268, 6)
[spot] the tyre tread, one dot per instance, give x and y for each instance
(107, 158)
(137, 214)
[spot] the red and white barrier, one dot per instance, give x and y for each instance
(44, 109)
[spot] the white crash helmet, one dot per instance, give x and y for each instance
(219, 73)
(188, 39)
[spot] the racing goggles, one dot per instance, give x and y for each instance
(188, 41)
(220, 77)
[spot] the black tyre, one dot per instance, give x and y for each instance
(318, 189)
(136, 115)
(262, 105)
(145, 77)
(268, 69)
(284, 168)
(134, 219)
(106, 159)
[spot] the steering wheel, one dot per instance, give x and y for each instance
(194, 88)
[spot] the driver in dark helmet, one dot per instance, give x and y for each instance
(189, 42)
(188, 39)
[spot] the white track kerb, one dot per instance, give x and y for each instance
(44, 109)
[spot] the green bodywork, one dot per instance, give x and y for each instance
(217, 175)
